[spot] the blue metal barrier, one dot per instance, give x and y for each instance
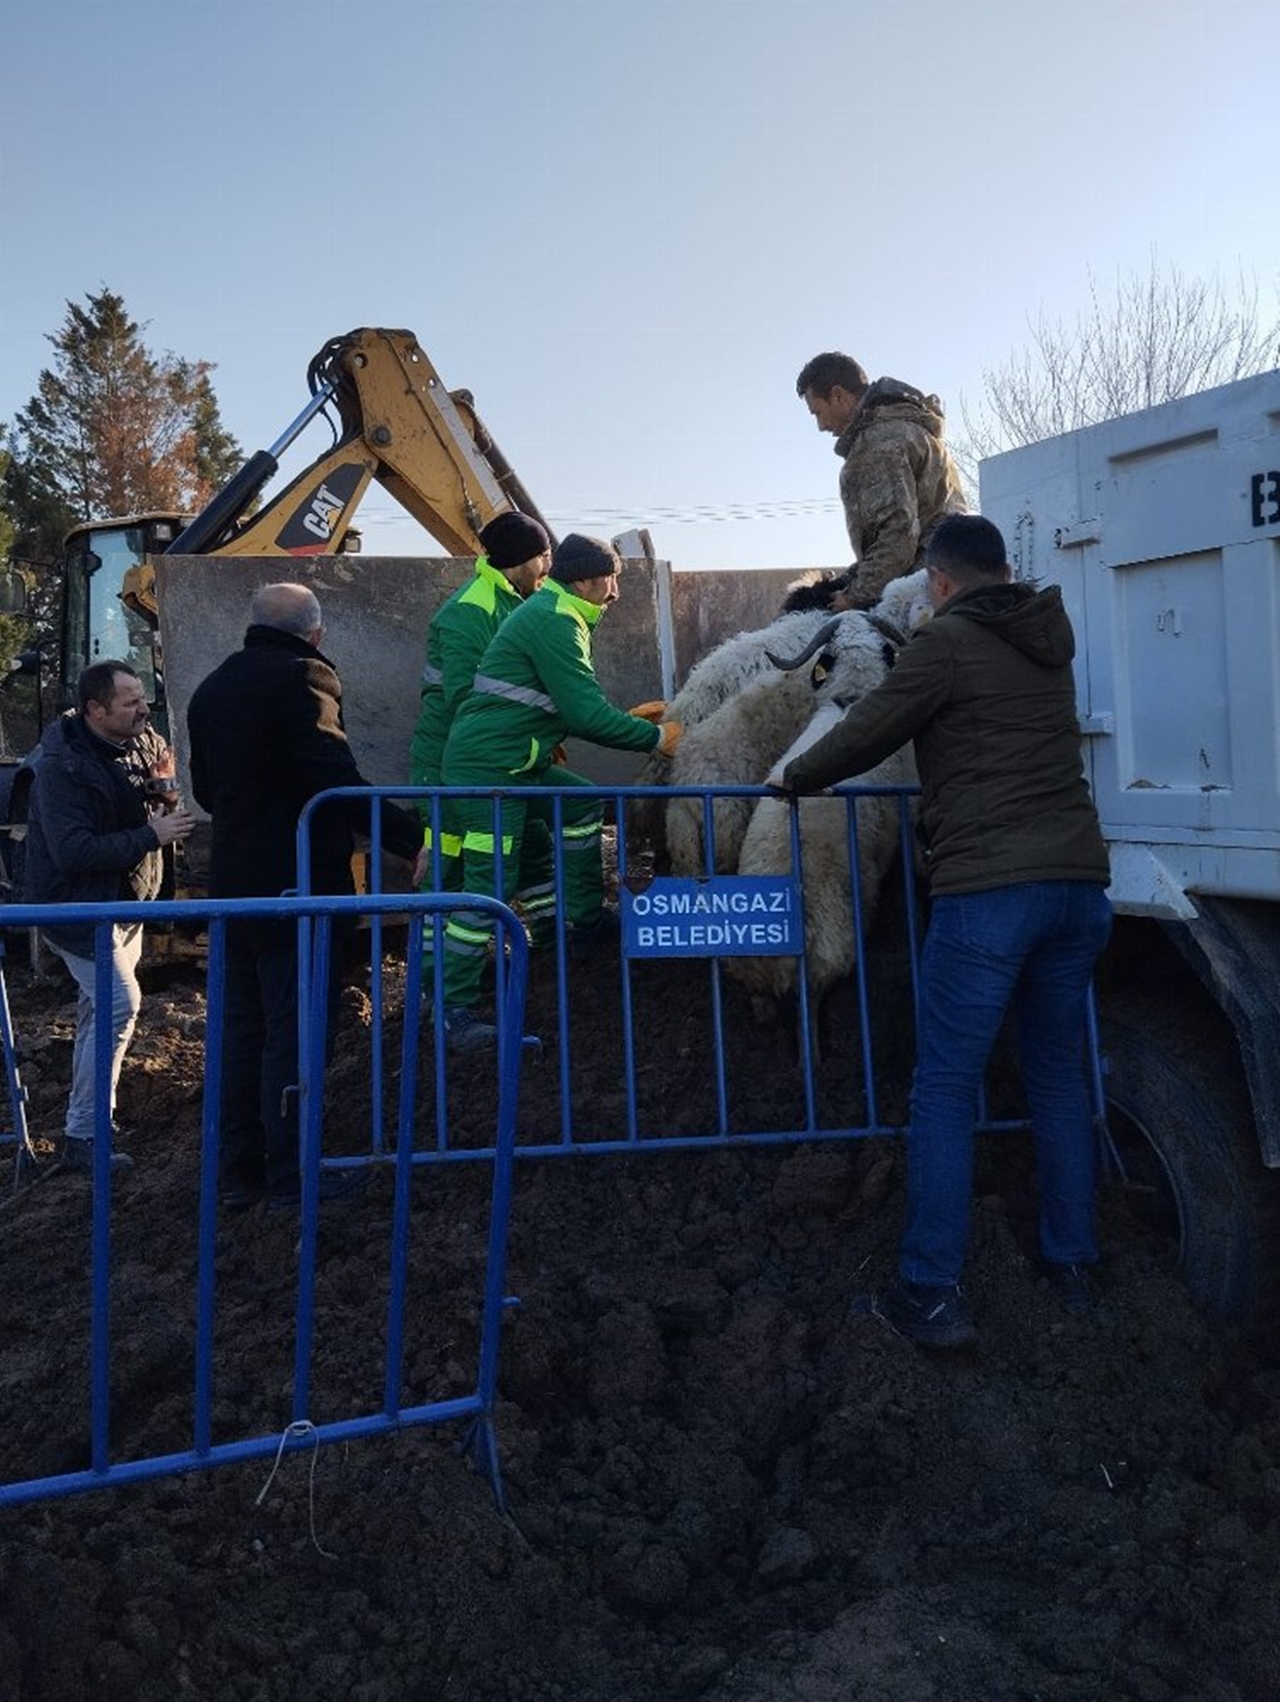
(18, 1136)
(402, 1144)
(478, 1406)
(865, 1115)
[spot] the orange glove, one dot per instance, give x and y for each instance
(559, 756)
(672, 732)
(652, 711)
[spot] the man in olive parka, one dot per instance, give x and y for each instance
(897, 479)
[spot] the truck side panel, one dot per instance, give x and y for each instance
(1163, 529)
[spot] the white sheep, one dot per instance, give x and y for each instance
(740, 713)
(831, 946)
(719, 677)
(904, 603)
(853, 660)
(735, 746)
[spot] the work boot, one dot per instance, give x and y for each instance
(77, 1155)
(587, 938)
(932, 1316)
(465, 1032)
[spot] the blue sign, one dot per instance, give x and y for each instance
(717, 916)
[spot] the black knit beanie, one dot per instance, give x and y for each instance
(577, 557)
(511, 539)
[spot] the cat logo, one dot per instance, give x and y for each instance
(319, 517)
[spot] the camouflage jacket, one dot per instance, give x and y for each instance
(897, 482)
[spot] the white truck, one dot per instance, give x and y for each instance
(1163, 529)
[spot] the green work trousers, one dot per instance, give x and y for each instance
(530, 836)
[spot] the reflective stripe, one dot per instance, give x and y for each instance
(537, 901)
(450, 843)
(532, 760)
(517, 694)
(485, 842)
(544, 889)
(535, 909)
(466, 931)
(581, 830)
(431, 676)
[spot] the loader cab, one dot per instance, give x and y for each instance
(108, 603)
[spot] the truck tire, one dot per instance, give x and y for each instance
(1182, 1127)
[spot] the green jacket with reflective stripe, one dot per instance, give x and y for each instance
(535, 687)
(457, 638)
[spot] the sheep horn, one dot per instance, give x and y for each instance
(887, 630)
(815, 644)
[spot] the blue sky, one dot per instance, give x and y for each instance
(623, 224)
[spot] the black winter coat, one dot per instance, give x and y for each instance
(89, 839)
(266, 735)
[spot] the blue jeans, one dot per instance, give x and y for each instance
(1033, 945)
(126, 1002)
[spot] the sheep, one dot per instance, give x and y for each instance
(831, 946)
(737, 679)
(719, 676)
(735, 746)
(852, 662)
(904, 603)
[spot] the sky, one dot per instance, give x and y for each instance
(624, 225)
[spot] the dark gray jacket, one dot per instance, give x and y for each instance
(89, 836)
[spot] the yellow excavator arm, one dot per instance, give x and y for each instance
(399, 425)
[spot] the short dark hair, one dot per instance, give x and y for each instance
(967, 547)
(825, 371)
(97, 684)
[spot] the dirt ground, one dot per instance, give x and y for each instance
(720, 1484)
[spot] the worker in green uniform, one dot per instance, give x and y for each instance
(536, 686)
(516, 558)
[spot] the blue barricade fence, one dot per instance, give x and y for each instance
(392, 1413)
(577, 1131)
(417, 1102)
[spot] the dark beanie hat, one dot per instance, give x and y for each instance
(577, 557)
(511, 539)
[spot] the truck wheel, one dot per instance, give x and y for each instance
(1182, 1128)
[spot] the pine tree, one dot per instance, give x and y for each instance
(112, 429)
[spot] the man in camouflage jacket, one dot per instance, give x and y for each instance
(898, 478)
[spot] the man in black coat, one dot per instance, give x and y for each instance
(266, 736)
(102, 808)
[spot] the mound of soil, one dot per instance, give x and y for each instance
(720, 1484)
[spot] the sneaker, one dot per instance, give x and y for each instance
(77, 1155)
(465, 1032)
(1072, 1284)
(336, 1188)
(587, 938)
(931, 1316)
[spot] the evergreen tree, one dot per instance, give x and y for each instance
(17, 696)
(114, 428)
